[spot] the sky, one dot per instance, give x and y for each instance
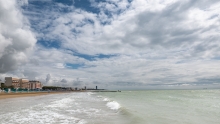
(112, 44)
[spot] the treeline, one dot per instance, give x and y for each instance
(3, 86)
(51, 88)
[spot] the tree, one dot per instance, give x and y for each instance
(2, 85)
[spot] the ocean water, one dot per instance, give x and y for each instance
(126, 107)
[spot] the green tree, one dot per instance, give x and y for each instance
(2, 85)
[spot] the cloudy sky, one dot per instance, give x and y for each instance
(114, 44)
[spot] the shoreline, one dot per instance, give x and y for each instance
(26, 94)
(29, 94)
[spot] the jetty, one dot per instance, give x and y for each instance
(106, 91)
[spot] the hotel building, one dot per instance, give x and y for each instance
(35, 84)
(22, 83)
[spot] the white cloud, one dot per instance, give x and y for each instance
(16, 38)
(156, 42)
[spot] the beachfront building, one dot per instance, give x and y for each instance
(23, 83)
(34, 84)
(16, 83)
(10, 81)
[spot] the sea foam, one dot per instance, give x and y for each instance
(113, 105)
(106, 99)
(90, 93)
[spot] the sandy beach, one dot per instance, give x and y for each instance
(15, 95)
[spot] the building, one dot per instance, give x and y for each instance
(10, 81)
(35, 84)
(16, 83)
(23, 83)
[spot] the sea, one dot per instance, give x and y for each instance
(126, 107)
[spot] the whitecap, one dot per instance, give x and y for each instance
(113, 105)
(106, 99)
(90, 93)
(61, 103)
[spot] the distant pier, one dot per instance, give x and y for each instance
(106, 91)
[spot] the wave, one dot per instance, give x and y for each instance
(60, 103)
(106, 99)
(99, 96)
(90, 93)
(113, 105)
(130, 118)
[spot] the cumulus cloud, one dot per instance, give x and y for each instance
(131, 27)
(77, 82)
(17, 40)
(48, 78)
(64, 81)
(148, 43)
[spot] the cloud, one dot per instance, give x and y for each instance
(77, 83)
(174, 27)
(64, 81)
(48, 77)
(171, 25)
(121, 43)
(17, 40)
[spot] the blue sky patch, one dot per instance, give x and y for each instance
(93, 57)
(74, 66)
(85, 5)
(216, 58)
(49, 44)
(66, 2)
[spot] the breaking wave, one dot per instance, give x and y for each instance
(106, 99)
(113, 105)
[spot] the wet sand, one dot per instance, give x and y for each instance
(15, 95)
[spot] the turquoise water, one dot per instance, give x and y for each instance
(170, 106)
(126, 107)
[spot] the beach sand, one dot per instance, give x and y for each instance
(15, 95)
